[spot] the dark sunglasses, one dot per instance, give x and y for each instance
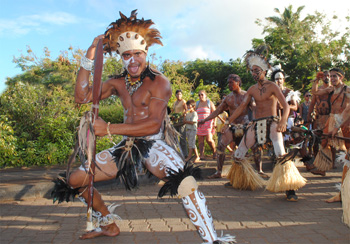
(308, 96)
(200, 95)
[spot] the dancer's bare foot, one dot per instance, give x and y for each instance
(309, 167)
(197, 160)
(336, 198)
(108, 230)
(263, 175)
(216, 175)
(318, 172)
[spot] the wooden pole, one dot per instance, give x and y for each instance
(96, 96)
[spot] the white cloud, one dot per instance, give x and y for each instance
(199, 52)
(56, 18)
(225, 27)
(40, 23)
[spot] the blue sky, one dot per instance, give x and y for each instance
(215, 30)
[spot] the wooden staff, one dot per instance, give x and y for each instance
(96, 96)
(338, 137)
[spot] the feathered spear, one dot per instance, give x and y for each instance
(96, 96)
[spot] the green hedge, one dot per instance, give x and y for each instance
(37, 125)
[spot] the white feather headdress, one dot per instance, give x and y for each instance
(293, 95)
(256, 58)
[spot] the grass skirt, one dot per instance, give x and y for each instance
(242, 176)
(323, 160)
(345, 197)
(285, 177)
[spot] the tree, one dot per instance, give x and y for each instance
(304, 46)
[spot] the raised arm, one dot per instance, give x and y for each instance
(83, 90)
(317, 91)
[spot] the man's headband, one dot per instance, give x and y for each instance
(130, 34)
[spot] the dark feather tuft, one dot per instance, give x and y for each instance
(62, 191)
(129, 161)
(174, 179)
(306, 159)
(290, 156)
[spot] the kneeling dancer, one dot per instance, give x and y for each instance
(144, 93)
(267, 125)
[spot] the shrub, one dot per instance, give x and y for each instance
(44, 124)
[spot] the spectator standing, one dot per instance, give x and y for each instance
(178, 111)
(190, 121)
(205, 131)
(304, 107)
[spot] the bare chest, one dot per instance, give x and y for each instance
(338, 102)
(234, 100)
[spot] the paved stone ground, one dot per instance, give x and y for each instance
(254, 217)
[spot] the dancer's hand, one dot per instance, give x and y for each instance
(90, 53)
(282, 126)
(201, 122)
(100, 127)
(225, 128)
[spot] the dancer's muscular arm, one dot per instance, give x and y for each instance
(241, 108)
(83, 91)
(320, 91)
(281, 127)
(221, 108)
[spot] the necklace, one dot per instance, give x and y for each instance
(132, 86)
(262, 89)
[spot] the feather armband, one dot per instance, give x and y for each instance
(174, 179)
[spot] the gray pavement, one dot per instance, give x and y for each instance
(28, 215)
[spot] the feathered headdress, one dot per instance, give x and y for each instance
(129, 34)
(277, 69)
(256, 57)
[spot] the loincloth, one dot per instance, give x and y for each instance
(334, 121)
(262, 129)
(320, 122)
(131, 154)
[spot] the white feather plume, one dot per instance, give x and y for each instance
(294, 95)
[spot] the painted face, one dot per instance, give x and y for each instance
(233, 83)
(179, 95)
(326, 77)
(279, 79)
(257, 73)
(335, 78)
(134, 61)
(202, 96)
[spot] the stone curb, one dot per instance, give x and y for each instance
(42, 188)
